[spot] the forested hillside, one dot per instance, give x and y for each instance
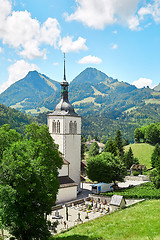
(104, 103)
(15, 118)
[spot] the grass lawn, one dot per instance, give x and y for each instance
(142, 151)
(145, 190)
(138, 222)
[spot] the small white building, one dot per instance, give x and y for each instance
(117, 202)
(65, 128)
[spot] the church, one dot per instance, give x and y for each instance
(65, 128)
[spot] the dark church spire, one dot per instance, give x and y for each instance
(64, 84)
(64, 107)
(64, 67)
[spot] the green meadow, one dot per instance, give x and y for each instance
(142, 151)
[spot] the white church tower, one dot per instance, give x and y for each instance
(65, 128)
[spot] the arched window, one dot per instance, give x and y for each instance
(58, 126)
(54, 126)
(75, 127)
(72, 127)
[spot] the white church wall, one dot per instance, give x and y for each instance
(66, 194)
(63, 171)
(73, 155)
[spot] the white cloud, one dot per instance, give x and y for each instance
(5, 9)
(25, 34)
(100, 13)
(17, 71)
(151, 9)
(143, 82)
(114, 46)
(50, 32)
(90, 59)
(1, 50)
(68, 45)
(133, 23)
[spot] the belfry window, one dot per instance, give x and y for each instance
(56, 126)
(72, 127)
(75, 127)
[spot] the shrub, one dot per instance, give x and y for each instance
(135, 173)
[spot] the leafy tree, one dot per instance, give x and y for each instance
(95, 137)
(29, 184)
(126, 142)
(155, 177)
(89, 138)
(94, 149)
(7, 137)
(105, 168)
(152, 134)
(110, 147)
(103, 139)
(129, 159)
(119, 144)
(138, 134)
(155, 158)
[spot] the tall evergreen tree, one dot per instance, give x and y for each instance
(110, 147)
(155, 158)
(129, 159)
(119, 144)
(94, 149)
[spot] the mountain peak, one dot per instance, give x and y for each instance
(92, 75)
(34, 72)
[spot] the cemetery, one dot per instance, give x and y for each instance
(79, 211)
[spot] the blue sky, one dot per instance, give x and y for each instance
(118, 37)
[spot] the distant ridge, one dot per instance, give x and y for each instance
(28, 92)
(105, 104)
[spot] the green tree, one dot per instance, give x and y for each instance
(105, 168)
(138, 135)
(7, 137)
(155, 158)
(110, 147)
(152, 134)
(129, 159)
(119, 144)
(155, 178)
(126, 142)
(89, 138)
(94, 149)
(29, 184)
